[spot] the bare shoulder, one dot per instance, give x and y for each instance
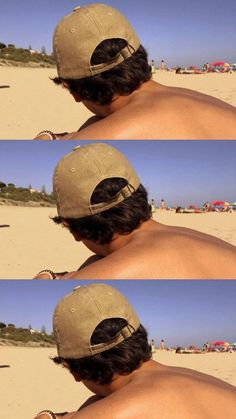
(147, 113)
(113, 266)
(89, 261)
(183, 392)
(193, 255)
(90, 122)
(119, 405)
(111, 127)
(179, 396)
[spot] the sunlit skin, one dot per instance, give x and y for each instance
(155, 111)
(156, 391)
(157, 251)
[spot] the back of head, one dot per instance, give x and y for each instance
(78, 35)
(81, 171)
(98, 334)
(79, 313)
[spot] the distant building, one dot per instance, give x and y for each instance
(33, 52)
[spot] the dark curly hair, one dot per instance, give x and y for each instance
(123, 218)
(122, 79)
(124, 358)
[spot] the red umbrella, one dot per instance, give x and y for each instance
(218, 203)
(218, 64)
(218, 343)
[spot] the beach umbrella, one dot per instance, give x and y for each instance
(218, 343)
(218, 64)
(218, 203)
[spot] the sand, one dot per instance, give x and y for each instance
(33, 242)
(221, 225)
(33, 103)
(33, 382)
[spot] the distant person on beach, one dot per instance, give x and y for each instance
(102, 202)
(102, 343)
(162, 344)
(153, 67)
(153, 206)
(162, 66)
(162, 204)
(101, 62)
(206, 67)
(153, 347)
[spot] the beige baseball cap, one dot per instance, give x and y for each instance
(79, 33)
(78, 314)
(79, 172)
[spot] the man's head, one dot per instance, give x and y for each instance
(78, 174)
(78, 34)
(98, 54)
(98, 334)
(98, 193)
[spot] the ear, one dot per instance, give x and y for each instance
(76, 376)
(76, 96)
(66, 85)
(65, 365)
(76, 236)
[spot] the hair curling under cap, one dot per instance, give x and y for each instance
(79, 172)
(78, 314)
(78, 34)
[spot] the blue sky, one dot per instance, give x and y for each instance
(180, 172)
(180, 312)
(180, 32)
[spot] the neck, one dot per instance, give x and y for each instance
(118, 380)
(104, 390)
(119, 240)
(118, 102)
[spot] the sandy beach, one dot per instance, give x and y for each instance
(33, 382)
(33, 242)
(33, 103)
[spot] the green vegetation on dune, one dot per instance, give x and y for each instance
(24, 195)
(19, 334)
(24, 56)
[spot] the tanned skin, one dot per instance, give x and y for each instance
(155, 111)
(156, 391)
(157, 251)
